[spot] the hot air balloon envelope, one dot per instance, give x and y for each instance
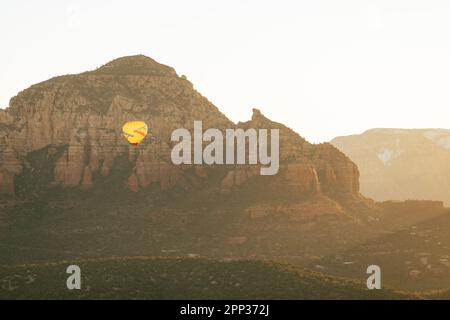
(135, 131)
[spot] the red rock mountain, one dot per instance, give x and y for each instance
(66, 133)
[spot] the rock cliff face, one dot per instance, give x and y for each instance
(66, 132)
(84, 113)
(401, 164)
(309, 168)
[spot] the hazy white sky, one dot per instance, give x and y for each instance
(324, 68)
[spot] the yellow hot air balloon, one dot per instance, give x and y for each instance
(135, 131)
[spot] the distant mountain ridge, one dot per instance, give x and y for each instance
(401, 164)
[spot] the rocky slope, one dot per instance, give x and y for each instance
(66, 132)
(401, 164)
(72, 187)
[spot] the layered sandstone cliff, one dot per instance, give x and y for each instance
(66, 132)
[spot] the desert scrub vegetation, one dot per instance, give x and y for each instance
(180, 278)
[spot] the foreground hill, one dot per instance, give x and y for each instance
(147, 278)
(401, 164)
